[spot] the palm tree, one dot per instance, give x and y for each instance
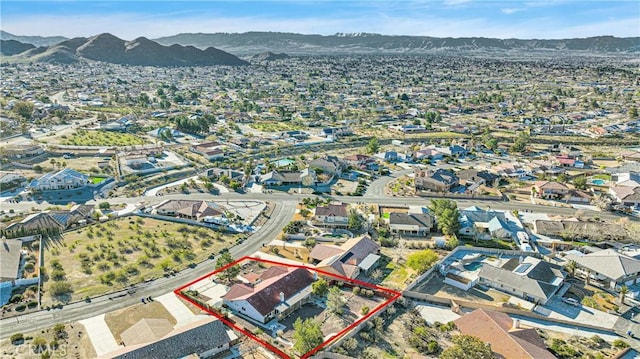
(571, 267)
(623, 292)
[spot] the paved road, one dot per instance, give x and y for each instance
(369, 199)
(376, 188)
(281, 215)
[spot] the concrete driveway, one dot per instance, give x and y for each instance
(100, 335)
(556, 308)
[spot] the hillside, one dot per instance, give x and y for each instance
(253, 42)
(268, 56)
(33, 40)
(141, 51)
(12, 47)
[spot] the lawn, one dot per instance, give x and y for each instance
(102, 138)
(113, 255)
(396, 275)
(96, 180)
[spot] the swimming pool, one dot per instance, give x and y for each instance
(598, 182)
(473, 266)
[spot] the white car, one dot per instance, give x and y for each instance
(571, 301)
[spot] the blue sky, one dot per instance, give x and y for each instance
(442, 18)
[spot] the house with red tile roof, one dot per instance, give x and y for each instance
(275, 293)
(507, 339)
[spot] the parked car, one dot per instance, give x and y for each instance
(571, 301)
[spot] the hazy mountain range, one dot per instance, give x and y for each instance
(254, 42)
(111, 49)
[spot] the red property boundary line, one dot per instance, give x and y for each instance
(392, 296)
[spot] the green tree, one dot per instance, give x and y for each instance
(580, 182)
(421, 261)
(467, 347)
(24, 109)
(355, 221)
(446, 211)
(335, 300)
(104, 205)
(229, 273)
(17, 338)
(520, 143)
(571, 267)
(373, 146)
(307, 334)
(623, 292)
(309, 242)
(320, 287)
(633, 113)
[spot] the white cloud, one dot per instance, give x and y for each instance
(455, 2)
(510, 11)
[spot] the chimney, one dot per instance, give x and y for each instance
(516, 324)
(315, 275)
(281, 297)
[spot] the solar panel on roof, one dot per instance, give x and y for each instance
(522, 268)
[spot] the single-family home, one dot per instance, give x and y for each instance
(204, 337)
(189, 209)
(10, 180)
(307, 177)
(275, 293)
(529, 278)
(484, 224)
(474, 176)
(550, 189)
(609, 266)
(331, 215)
(626, 179)
(328, 164)
(389, 156)
(210, 150)
(578, 196)
(358, 254)
(10, 255)
(626, 196)
(440, 180)
(51, 221)
(504, 334)
(428, 154)
(410, 224)
(23, 151)
(359, 161)
(295, 135)
(64, 179)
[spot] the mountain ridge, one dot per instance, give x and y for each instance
(292, 43)
(108, 48)
(33, 40)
